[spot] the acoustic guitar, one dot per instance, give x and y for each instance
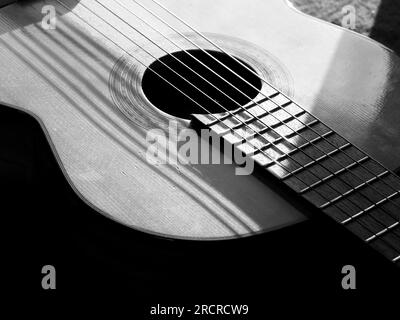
(314, 108)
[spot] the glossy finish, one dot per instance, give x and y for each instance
(63, 78)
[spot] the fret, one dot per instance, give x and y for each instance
(379, 189)
(384, 231)
(284, 148)
(328, 166)
(273, 117)
(207, 119)
(347, 145)
(369, 230)
(295, 110)
(266, 106)
(232, 122)
(360, 174)
(268, 91)
(354, 216)
(235, 118)
(334, 174)
(270, 106)
(233, 138)
(220, 128)
(318, 198)
(385, 248)
(353, 190)
(270, 120)
(295, 129)
(280, 99)
(282, 116)
(386, 218)
(277, 118)
(336, 213)
(262, 109)
(343, 159)
(361, 230)
(368, 192)
(309, 133)
(260, 129)
(277, 170)
(267, 144)
(394, 180)
(341, 215)
(244, 116)
(389, 241)
(396, 259)
(315, 151)
(261, 160)
(392, 206)
(287, 130)
(307, 144)
(260, 142)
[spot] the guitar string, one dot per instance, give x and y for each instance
(144, 64)
(383, 225)
(262, 79)
(123, 6)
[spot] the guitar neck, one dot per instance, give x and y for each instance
(319, 165)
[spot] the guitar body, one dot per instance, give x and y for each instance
(66, 79)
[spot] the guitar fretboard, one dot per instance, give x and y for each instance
(319, 165)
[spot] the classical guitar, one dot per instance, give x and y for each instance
(311, 108)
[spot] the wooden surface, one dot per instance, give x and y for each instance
(62, 77)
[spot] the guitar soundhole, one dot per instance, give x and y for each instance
(211, 96)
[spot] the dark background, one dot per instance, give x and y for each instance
(97, 260)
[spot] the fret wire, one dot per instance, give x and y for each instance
(396, 259)
(266, 129)
(353, 189)
(370, 208)
(224, 51)
(79, 17)
(384, 231)
(305, 145)
(304, 127)
(276, 141)
(315, 184)
(293, 173)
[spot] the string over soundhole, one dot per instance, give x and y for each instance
(205, 82)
